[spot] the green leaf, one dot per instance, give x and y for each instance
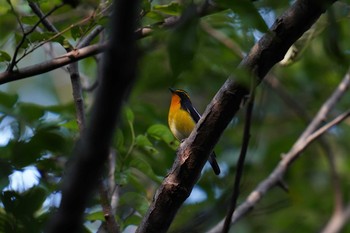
(76, 32)
(18, 39)
(103, 21)
(162, 133)
(146, 5)
(37, 37)
(47, 138)
(143, 142)
(10, 201)
(129, 114)
(121, 178)
(155, 16)
(247, 12)
(8, 100)
(119, 140)
(4, 8)
(174, 8)
(79, 31)
(4, 57)
(135, 200)
(132, 220)
(23, 205)
(30, 112)
(145, 168)
(32, 200)
(29, 19)
(99, 215)
(183, 42)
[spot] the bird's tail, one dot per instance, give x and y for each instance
(214, 164)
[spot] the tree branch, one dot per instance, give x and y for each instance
(92, 149)
(195, 150)
(276, 86)
(65, 59)
(55, 63)
(25, 34)
(308, 136)
(338, 220)
(72, 68)
(240, 162)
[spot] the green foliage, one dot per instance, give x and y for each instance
(247, 12)
(20, 213)
(173, 8)
(197, 55)
(183, 41)
(4, 57)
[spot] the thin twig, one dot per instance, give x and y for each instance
(326, 107)
(113, 188)
(25, 34)
(35, 47)
(57, 62)
(72, 68)
(86, 40)
(327, 126)
(337, 222)
(77, 94)
(281, 91)
(111, 225)
(241, 160)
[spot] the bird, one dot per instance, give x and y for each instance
(182, 119)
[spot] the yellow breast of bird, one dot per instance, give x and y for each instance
(181, 124)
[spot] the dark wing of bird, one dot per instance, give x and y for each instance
(195, 116)
(194, 113)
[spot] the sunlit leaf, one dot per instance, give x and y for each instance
(174, 8)
(99, 215)
(155, 16)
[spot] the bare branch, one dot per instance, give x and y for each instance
(338, 220)
(277, 87)
(25, 34)
(111, 225)
(75, 55)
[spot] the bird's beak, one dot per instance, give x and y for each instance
(171, 90)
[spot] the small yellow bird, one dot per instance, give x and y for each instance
(182, 119)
